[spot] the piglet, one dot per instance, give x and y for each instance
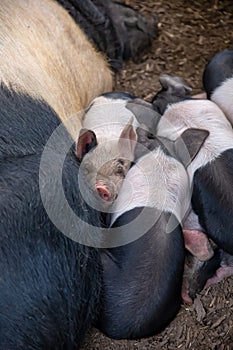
(211, 171)
(174, 90)
(106, 145)
(143, 271)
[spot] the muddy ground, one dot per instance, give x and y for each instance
(190, 33)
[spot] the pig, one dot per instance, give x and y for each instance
(107, 142)
(143, 270)
(211, 170)
(202, 260)
(218, 81)
(106, 145)
(174, 90)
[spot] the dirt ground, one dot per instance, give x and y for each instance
(191, 32)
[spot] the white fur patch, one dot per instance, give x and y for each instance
(200, 114)
(156, 181)
(223, 97)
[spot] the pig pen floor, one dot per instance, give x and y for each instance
(190, 33)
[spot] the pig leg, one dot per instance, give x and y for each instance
(201, 95)
(225, 270)
(221, 273)
(196, 241)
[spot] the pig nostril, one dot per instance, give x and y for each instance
(105, 196)
(103, 192)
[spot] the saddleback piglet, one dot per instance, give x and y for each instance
(143, 270)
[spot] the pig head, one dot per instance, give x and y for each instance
(105, 162)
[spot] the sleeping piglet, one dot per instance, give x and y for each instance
(143, 270)
(212, 170)
(174, 90)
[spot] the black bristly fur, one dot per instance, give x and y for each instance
(212, 199)
(50, 285)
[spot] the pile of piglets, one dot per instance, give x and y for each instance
(162, 174)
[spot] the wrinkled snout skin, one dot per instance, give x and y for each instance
(110, 177)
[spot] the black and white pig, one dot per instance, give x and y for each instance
(142, 273)
(174, 90)
(211, 171)
(203, 260)
(106, 145)
(218, 81)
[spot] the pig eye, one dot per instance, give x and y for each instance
(150, 136)
(121, 161)
(120, 171)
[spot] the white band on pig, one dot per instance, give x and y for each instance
(202, 114)
(223, 97)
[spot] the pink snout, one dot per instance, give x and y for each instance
(103, 192)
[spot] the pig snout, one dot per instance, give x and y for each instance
(103, 191)
(106, 192)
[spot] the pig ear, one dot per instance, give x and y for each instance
(86, 141)
(193, 140)
(127, 141)
(144, 113)
(174, 85)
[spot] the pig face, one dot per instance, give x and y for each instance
(104, 175)
(105, 163)
(109, 178)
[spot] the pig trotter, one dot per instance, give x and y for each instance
(197, 243)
